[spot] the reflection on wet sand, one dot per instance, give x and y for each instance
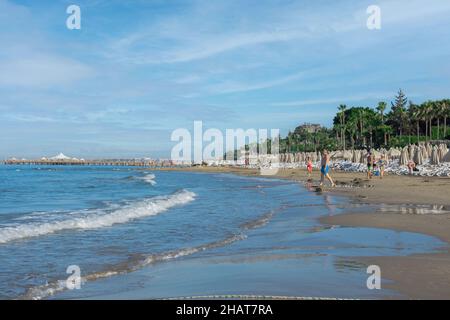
(265, 258)
(344, 264)
(415, 209)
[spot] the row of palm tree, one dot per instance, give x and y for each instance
(429, 112)
(366, 126)
(356, 127)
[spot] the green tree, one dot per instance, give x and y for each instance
(381, 108)
(398, 115)
(446, 113)
(342, 109)
(441, 112)
(424, 115)
(416, 115)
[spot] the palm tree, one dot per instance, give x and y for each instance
(427, 109)
(442, 112)
(445, 112)
(434, 113)
(351, 128)
(338, 129)
(342, 109)
(438, 112)
(381, 108)
(362, 114)
(415, 114)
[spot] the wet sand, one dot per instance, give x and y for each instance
(425, 276)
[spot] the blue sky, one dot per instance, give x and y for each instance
(137, 70)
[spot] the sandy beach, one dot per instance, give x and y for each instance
(425, 276)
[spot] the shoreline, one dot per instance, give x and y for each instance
(419, 276)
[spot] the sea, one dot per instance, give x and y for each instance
(105, 232)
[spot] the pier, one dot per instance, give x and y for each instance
(82, 162)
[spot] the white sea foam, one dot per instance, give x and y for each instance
(98, 219)
(52, 288)
(189, 251)
(149, 178)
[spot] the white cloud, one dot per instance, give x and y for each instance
(233, 87)
(333, 100)
(27, 118)
(42, 71)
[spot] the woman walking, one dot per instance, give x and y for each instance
(309, 166)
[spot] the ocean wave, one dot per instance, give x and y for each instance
(95, 219)
(52, 288)
(149, 178)
(260, 222)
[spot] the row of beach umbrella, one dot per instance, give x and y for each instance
(420, 154)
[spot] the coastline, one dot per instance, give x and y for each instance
(420, 276)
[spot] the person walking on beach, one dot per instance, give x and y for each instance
(369, 165)
(324, 168)
(309, 166)
(382, 163)
(411, 166)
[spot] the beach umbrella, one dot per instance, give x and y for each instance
(441, 154)
(362, 157)
(446, 157)
(424, 151)
(348, 155)
(442, 151)
(337, 155)
(418, 159)
(434, 156)
(394, 153)
(355, 156)
(429, 148)
(391, 153)
(376, 154)
(411, 150)
(404, 157)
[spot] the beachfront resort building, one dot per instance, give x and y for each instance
(308, 127)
